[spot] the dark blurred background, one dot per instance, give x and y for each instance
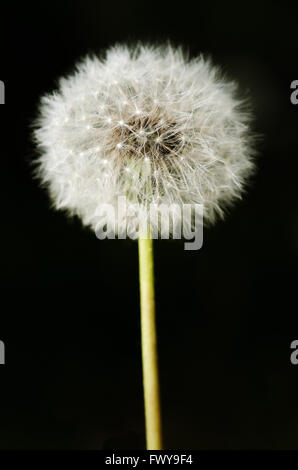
(70, 303)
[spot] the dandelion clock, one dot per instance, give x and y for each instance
(147, 127)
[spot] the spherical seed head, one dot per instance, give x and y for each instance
(148, 124)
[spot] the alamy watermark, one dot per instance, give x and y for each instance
(294, 354)
(2, 92)
(294, 94)
(2, 353)
(128, 220)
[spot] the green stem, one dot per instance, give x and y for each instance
(149, 347)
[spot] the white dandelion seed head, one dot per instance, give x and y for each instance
(148, 124)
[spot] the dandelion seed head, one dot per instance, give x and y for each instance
(161, 122)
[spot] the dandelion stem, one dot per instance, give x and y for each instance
(149, 346)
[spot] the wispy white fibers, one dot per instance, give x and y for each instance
(148, 124)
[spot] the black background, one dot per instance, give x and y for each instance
(69, 302)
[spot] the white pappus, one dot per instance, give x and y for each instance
(147, 123)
